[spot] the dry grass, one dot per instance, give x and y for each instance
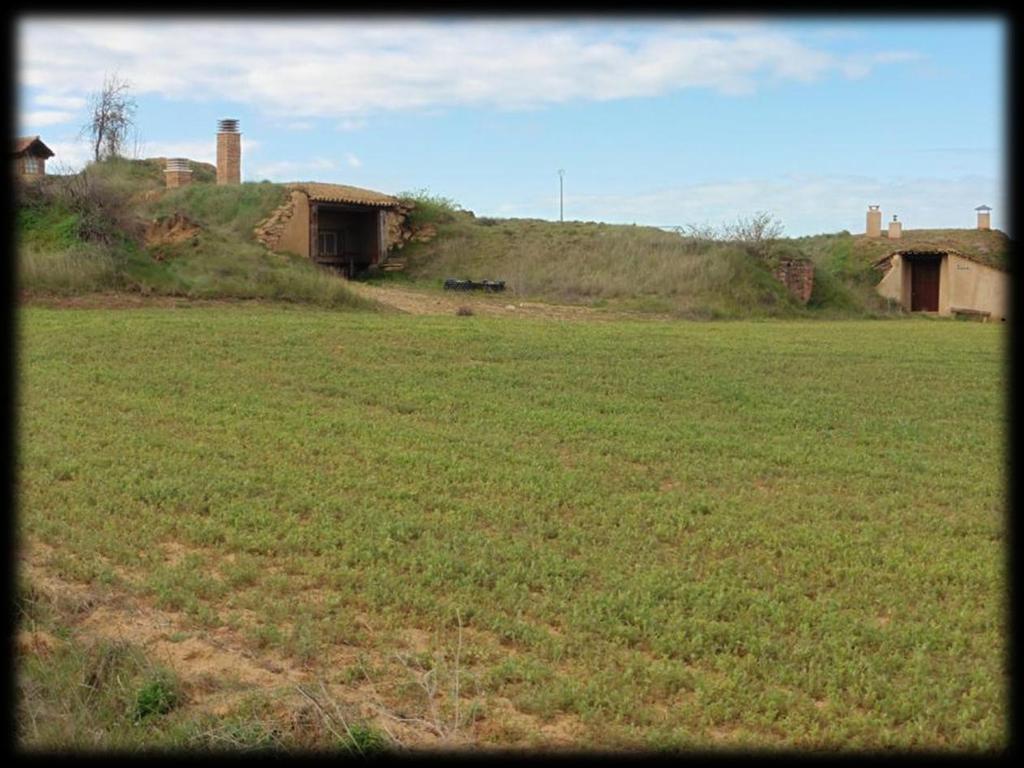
(990, 247)
(641, 267)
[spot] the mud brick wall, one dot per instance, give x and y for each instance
(177, 178)
(798, 277)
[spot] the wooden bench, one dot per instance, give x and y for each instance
(970, 314)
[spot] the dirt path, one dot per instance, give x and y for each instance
(420, 302)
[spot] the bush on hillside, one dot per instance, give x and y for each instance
(428, 208)
(756, 233)
(101, 208)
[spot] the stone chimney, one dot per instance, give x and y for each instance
(984, 217)
(895, 228)
(177, 173)
(874, 228)
(229, 152)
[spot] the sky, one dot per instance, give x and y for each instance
(665, 121)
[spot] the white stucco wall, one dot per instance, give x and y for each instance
(975, 286)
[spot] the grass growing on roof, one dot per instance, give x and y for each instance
(666, 535)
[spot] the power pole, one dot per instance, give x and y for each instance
(561, 206)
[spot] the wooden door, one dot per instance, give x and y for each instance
(924, 285)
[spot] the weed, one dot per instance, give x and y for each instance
(157, 696)
(361, 739)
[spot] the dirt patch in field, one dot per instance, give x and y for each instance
(220, 670)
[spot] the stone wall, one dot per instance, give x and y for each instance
(398, 230)
(798, 277)
(271, 229)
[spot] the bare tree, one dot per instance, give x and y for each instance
(112, 117)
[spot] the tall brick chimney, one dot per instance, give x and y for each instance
(177, 173)
(874, 228)
(229, 152)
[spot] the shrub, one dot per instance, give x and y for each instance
(428, 208)
(755, 233)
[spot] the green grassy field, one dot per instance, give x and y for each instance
(742, 534)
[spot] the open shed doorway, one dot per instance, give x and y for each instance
(346, 237)
(925, 269)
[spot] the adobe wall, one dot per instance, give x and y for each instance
(798, 277)
(287, 228)
(976, 286)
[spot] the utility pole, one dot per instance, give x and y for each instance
(561, 207)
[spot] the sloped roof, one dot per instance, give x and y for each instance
(24, 143)
(342, 193)
(990, 247)
(925, 251)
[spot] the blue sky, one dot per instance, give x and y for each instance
(669, 121)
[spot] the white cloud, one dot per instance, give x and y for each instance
(59, 102)
(806, 204)
(352, 160)
(291, 170)
(351, 125)
(299, 70)
(200, 150)
(42, 117)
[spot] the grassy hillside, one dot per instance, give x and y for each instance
(635, 267)
(659, 535)
(640, 267)
(88, 232)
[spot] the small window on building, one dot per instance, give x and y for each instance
(32, 164)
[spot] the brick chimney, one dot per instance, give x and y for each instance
(895, 228)
(874, 228)
(984, 217)
(229, 152)
(177, 173)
